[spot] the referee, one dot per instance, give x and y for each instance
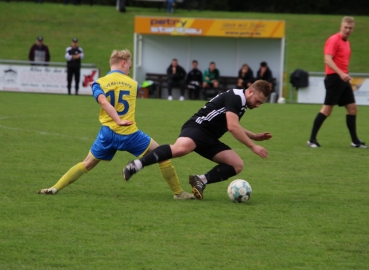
(73, 54)
(337, 83)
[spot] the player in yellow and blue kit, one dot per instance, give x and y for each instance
(116, 93)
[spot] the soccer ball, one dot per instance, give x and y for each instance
(239, 191)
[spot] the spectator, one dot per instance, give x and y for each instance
(39, 52)
(74, 55)
(176, 78)
(194, 81)
(245, 77)
(170, 6)
(264, 73)
(211, 79)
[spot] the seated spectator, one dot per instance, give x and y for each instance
(39, 52)
(211, 78)
(176, 78)
(264, 73)
(245, 77)
(194, 81)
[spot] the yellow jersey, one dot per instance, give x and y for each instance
(121, 91)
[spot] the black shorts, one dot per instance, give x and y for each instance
(206, 145)
(337, 91)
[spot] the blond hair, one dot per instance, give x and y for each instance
(261, 86)
(117, 56)
(348, 19)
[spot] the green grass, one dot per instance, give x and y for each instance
(309, 208)
(101, 29)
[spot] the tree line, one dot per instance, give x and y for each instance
(343, 7)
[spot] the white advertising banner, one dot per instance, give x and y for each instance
(315, 92)
(44, 79)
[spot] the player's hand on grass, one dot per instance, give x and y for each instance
(124, 123)
(262, 136)
(260, 151)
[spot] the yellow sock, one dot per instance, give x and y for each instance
(70, 176)
(170, 175)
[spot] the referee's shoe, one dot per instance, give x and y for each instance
(198, 186)
(359, 144)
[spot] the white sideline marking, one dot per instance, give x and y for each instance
(38, 132)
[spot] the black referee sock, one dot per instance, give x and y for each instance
(219, 173)
(161, 153)
(351, 124)
(319, 119)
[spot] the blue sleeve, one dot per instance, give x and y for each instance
(96, 90)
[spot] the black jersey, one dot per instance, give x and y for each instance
(68, 55)
(195, 75)
(212, 117)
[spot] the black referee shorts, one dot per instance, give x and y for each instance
(206, 146)
(337, 91)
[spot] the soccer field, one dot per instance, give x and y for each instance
(309, 207)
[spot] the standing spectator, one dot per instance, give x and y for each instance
(170, 6)
(176, 78)
(194, 81)
(338, 90)
(245, 77)
(264, 73)
(73, 54)
(39, 52)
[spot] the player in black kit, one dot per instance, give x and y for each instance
(73, 54)
(201, 134)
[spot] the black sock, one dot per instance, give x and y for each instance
(319, 119)
(351, 125)
(219, 173)
(161, 153)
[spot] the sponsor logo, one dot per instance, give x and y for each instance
(88, 79)
(167, 22)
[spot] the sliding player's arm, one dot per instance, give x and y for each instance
(238, 132)
(258, 136)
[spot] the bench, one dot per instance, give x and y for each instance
(161, 82)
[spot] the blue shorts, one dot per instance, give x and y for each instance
(108, 142)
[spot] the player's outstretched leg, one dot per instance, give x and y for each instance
(198, 186)
(170, 175)
(68, 178)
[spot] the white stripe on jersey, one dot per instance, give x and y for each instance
(239, 92)
(210, 116)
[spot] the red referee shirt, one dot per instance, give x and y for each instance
(341, 52)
